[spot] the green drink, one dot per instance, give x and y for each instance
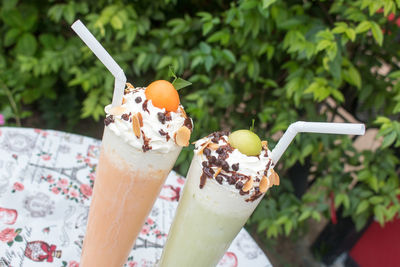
(222, 190)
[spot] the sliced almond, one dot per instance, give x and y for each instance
(182, 136)
(217, 172)
(117, 110)
(136, 125)
(264, 184)
(203, 147)
(213, 146)
(139, 115)
(248, 185)
(123, 100)
(130, 86)
(274, 178)
(264, 144)
(183, 112)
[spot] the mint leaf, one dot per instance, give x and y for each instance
(171, 73)
(180, 83)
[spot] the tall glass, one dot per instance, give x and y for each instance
(127, 184)
(208, 217)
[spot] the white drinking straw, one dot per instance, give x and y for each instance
(94, 45)
(313, 127)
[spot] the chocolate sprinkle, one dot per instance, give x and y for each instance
(239, 185)
(213, 160)
(163, 133)
(146, 141)
(144, 106)
(208, 171)
(108, 120)
(207, 152)
(125, 116)
(168, 116)
(235, 167)
(203, 179)
(138, 99)
(225, 166)
(188, 123)
(219, 179)
(204, 163)
(161, 117)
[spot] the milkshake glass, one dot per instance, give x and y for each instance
(223, 187)
(139, 148)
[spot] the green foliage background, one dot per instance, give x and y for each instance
(273, 60)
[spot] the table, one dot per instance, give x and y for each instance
(46, 180)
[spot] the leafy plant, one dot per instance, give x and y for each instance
(279, 61)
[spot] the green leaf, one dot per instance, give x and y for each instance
(304, 215)
(376, 200)
(379, 212)
(395, 74)
(11, 36)
(363, 27)
(207, 27)
(316, 215)
(288, 227)
(116, 22)
(228, 55)
(352, 76)
(171, 72)
(362, 206)
(267, 3)
(377, 33)
(69, 13)
(389, 139)
(351, 34)
(180, 83)
(26, 44)
(165, 61)
(10, 243)
(18, 238)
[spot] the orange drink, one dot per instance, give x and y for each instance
(139, 148)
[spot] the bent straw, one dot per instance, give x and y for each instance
(94, 45)
(313, 127)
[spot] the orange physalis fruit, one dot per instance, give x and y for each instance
(163, 95)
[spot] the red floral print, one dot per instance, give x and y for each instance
(63, 183)
(55, 190)
(8, 235)
(73, 264)
(86, 190)
(73, 193)
(18, 186)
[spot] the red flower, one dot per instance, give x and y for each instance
(86, 190)
(55, 190)
(73, 193)
(65, 190)
(391, 17)
(8, 235)
(45, 157)
(63, 183)
(398, 22)
(145, 230)
(150, 221)
(92, 176)
(18, 186)
(73, 264)
(132, 264)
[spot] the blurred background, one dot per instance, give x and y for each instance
(273, 61)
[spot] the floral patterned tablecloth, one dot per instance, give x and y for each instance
(46, 180)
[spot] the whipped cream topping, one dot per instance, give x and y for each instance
(158, 128)
(232, 169)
